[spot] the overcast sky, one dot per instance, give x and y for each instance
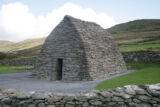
(23, 19)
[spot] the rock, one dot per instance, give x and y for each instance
(90, 95)
(37, 96)
(106, 94)
(152, 101)
(52, 99)
(69, 105)
(21, 94)
(10, 92)
(68, 98)
(129, 90)
(6, 100)
(125, 96)
(2, 88)
(154, 87)
(136, 100)
(117, 99)
(111, 103)
(2, 96)
(106, 99)
(95, 102)
(153, 92)
(81, 98)
(86, 104)
(50, 106)
(156, 99)
(143, 98)
(145, 105)
(31, 105)
(131, 104)
(5, 105)
(41, 105)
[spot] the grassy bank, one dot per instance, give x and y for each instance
(11, 69)
(147, 73)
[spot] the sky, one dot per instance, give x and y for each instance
(24, 19)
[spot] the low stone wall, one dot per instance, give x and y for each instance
(128, 57)
(14, 62)
(128, 96)
(142, 57)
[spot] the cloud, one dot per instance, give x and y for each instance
(18, 23)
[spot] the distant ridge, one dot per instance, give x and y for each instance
(136, 25)
(5, 42)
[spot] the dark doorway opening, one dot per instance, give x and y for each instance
(59, 68)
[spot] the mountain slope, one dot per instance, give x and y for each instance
(5, 42)
(137, 26)
(138, 35)
(26, 44)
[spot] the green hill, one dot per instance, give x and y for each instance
(5, 42)
(23, 45)
(138, 35)
(137, 26)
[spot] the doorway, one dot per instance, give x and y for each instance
(59, 68)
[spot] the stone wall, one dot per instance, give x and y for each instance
(128, 96)
(142, 56)
(128, 57)
(14, 62)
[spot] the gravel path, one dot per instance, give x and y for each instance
(22, 81)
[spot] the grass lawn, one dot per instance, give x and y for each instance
(147, 73)
(10, 69)
(154, 45)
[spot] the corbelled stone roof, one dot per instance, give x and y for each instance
(87, 51)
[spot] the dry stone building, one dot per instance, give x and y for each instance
(77, 50)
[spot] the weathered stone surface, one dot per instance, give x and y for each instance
(86, 50)
(106, 98)
(130, 90)
(3, 96)
(31, 105)
(143, 98)
(22, 94)
(142, 56)
(51, 106)
(117, 99)
(125, 96)
(106, 94)
(41, 105)
(38, 96)
(95, 102)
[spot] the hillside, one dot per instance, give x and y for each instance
(5, 42)
(138, 35)
(23, 45)
(137, 26)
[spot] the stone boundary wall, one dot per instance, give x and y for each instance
(128, 57)
(142, 56)
(128, 96)
(15, 62)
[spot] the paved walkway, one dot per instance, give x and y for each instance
(22, 81)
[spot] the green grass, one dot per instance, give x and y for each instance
(10, 69)
(139, 47)
(147, 73)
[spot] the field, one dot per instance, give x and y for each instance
(147, 73)
(138, 35)
(11, 69)
(144, 46)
